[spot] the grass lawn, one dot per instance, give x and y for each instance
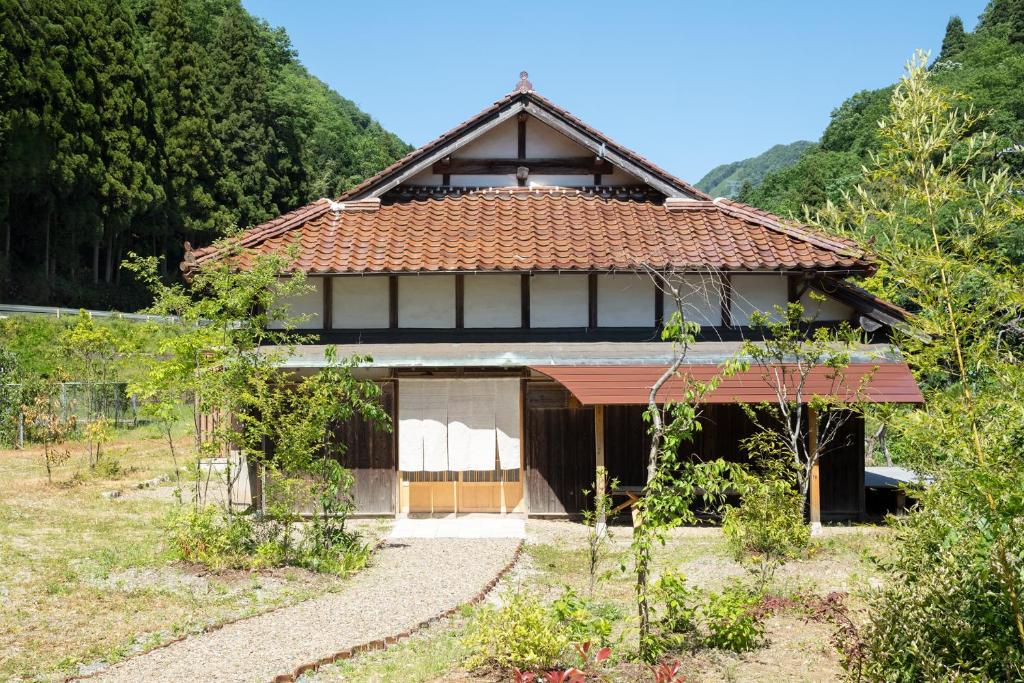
(797, 650)
(87, 578)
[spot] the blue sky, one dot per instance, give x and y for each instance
(689, 85)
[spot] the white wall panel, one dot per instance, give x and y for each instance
(492, 300)
(359, 302)
(625, 300)
(426, 301)
(308, 305)
(702, 298)
(758, 292)
(559, 300)
(829, 309)
(501, 142)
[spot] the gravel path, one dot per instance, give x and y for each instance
(409, 582)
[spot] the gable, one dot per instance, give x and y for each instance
(492, 159)
(607, 156)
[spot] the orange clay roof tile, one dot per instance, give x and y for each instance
(528, 229)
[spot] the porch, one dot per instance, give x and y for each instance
(573, 407)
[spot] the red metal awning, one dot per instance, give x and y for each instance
(631, 384)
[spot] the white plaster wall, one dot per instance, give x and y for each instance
(829, 309)
(544, 142)
(359, 302)
(308, 305)
(559, 300)
(492, 300)
(702, 298)
(758, 292)
(625, 300)
(426, 301)
(501, 142)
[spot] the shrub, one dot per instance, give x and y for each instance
(522, 633)
(767, 528)
(583, 620)
(730, 620)
(205, 535)
(680, 614)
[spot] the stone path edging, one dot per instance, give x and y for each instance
(210, 628)
(387, 641)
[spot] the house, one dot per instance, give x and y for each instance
(499, 277)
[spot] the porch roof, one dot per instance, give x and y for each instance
(622, 373)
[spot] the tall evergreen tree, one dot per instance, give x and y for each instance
(192, 160)
(259, 171)
(955, 40)
(1008, 12)
(126, 135)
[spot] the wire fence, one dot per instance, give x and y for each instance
(83, 401)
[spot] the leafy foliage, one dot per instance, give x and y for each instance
(725, 620)
(767, 528)
(728, 179)
(522, 633)
(133, 125)
(940, 206)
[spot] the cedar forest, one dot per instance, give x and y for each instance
(134, 125)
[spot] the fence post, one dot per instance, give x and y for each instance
(21, 430)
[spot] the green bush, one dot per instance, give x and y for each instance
(206, 536)
(767, 528)
(946, 614)
(726, 620)
(730, 620)
(521, 633)
(583, 620)
(678, 599)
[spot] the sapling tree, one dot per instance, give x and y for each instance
(235, 328)
(306, 412)
(787, 356)
(673, 483)
(92, 351)
(46, 422)
(596, 520)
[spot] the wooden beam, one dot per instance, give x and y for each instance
(814, 491)
(524, 296)
(521, 137)
(599, 476)
(460, 299)
(592, 301)
(566, 166)
(659, 307)
(726, 301)
(328, 302)
(393, 301)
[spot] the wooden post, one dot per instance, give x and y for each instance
(815, 483)
(599, 479)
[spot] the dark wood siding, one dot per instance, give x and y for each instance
(627, 444)
(559, 450)
(370, 455)
(724, 427)
(842, 473)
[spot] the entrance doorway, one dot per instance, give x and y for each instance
(459, 445)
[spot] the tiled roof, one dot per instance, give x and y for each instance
(522, 229)
(533, 98)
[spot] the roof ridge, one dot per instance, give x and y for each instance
(791, 228)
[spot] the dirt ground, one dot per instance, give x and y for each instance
(796, 649)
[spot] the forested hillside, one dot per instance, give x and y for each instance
(728, 180)
(134, 125)
(987, 65)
